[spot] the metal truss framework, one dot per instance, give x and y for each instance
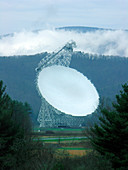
(48, 115)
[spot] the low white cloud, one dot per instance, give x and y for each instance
(105, 42)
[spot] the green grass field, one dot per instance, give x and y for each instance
(70, 140)
(58, 131)
(36, 129)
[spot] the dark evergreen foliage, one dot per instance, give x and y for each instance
(21, 115)
(110, 138)
(14, 126)
(9, 130)
(18, 149)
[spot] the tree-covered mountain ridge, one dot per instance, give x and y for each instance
(107, 73)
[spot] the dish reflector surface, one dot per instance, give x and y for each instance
(68, 90)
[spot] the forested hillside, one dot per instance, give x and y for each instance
(19, 75)
(105, 72)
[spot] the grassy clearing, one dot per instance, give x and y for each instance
(68, 153)
(72, 152)
(36, 129)
(61, 140)
(70, 141)
(58, 132)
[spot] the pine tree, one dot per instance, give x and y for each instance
(21, 115)
(9, 130)
(110, 137)
(5, 101)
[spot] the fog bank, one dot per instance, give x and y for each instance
(105, 42)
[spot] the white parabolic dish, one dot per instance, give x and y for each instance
(68, 90)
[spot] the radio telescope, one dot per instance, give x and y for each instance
(62, 89)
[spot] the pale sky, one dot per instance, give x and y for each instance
(19, 15)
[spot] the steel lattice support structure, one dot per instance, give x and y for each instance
(47, 114)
